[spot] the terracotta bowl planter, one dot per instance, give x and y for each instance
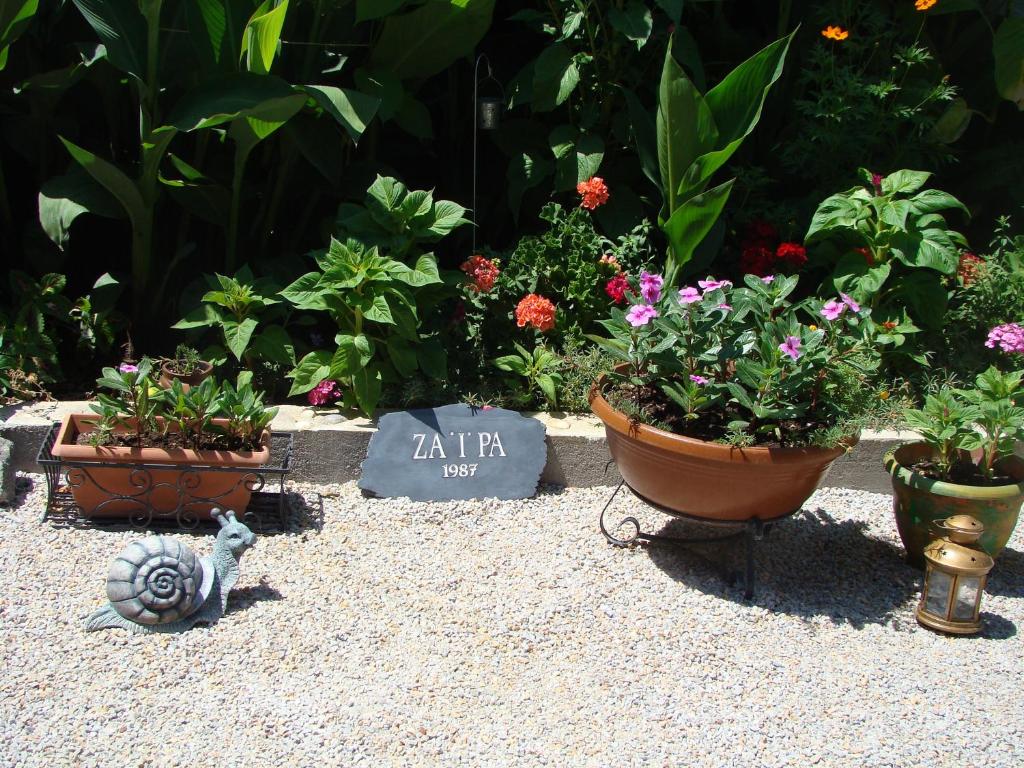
(920, 501)
(192, 380)
(114, 485)
(711, 480)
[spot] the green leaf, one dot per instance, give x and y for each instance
(433, 359)
(448, 216)
(835, 212)
(414, 118)
(512, 364)
(64, 198)
(685, 129)
(895, 212)
(121, 28)
(274, 344)
(423, 273)
(367, 385)
(427, 40)
(904, 182)
(546, 382)
(402, 355)
(216, 28)
(367, 10)
(351, 355)
(308, 292)
(15, 16)
(634, 21)
(377, 310)
(646, 139)
(525, 171)
(924, 295)
(237, 335)
(555, 77)
(223, 99)
(853, 275)
(1008, 51)
(934, 200)
(932, 248)
(672, 8)
(311, 370)
(691, 222)
(113, 179)
(262, 36)
(352, 110)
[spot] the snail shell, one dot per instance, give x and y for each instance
(155, 580)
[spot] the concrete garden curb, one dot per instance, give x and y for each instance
(330, 448)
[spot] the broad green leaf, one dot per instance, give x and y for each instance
(895, 213)
(423, 273)
(643, 127)
(216, 28)
(260, 122)
(690, 224)
(352, 110)
(113, 179)
(428, 39)
(378, 311)
(367, 385)
(685, 129)
(672, 8)
(934, 200)
(433, 359)
(308, 292)
(904, 182)
(737, 101)
(402, 356)
(1008, 50)
(555, 77)
(932, 248)
(577, 158)
(121, 28)
(262, 36)
(349, 358)
(221, 100)
(237, 335)
(511, 363)
(525, 171)
(311, 370)
(634, 21)
(385, 195)
(448, 215)
(15, 16)
(922, 292)
(953, 122)
(64, 198)
(835, 212)
(198, 194)
(546, 382)
(203, 316)
(367, 10)
(853, 275)
(414, 118)
(274, 344)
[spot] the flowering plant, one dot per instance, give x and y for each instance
(984, 419)
(742, 364)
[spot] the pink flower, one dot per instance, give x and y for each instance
(1009, 337)
(698, 379)
(791, 347)
(726, 307)
(641, 314)
(853, 305)
(689, 295)
(768, 279)
(324, 392)
(832, 309)
(128, 368)
(711, 284)
(876, 182)
(650, 287)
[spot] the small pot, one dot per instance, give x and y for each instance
(711, 480)
(183, 482)
(187, 382)
(919, 502)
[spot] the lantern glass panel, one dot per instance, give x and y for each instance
(966, 598)
(938, 587)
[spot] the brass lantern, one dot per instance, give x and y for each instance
(954, 578)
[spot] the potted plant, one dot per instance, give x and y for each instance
(963, 465)
(192, 435)
(731, 404)
(185, 367)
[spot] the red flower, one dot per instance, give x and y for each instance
(482, 272)
(756, 260)
(866, 253)
(616, 288)
(969, 268)
(324, 392)
(760, 233)
(793, 254)
(594, 192)
(536, 311)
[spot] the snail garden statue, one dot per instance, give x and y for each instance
(157, 584)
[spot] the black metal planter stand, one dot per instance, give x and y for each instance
(267, 511)
(750, 531)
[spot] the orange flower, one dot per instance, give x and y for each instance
(594, 192)
(924, 5)
(536, 311)
(838, 33)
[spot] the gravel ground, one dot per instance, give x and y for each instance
(387, 632)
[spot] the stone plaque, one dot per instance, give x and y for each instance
(455, 452)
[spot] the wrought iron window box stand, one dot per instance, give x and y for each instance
(751, 531)
(267, 511)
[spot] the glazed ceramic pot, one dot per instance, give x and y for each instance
(919, 502)
(191, 380)
(111, 483)
(711, 480)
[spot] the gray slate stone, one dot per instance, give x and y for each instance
(455, 452)
(7, 472)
